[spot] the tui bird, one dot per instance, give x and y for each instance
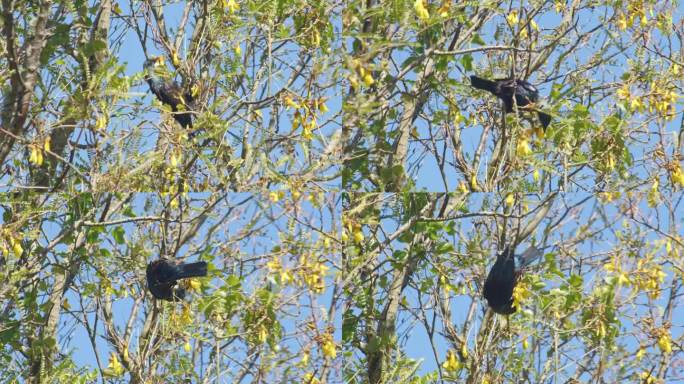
(169, 92)
(498, 288)
(524, 92)
(163, 274)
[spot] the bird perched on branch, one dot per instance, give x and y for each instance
(505, 89)
(498, 288)
(162, 276)
(168, 91)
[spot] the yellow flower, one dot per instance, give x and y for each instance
(237, 49)
(263, 334)
(665, 343)
(16, 246)
(653, 195)
(646, 378)
(354, 83)
(444, 9)
(275, 196)
(520, 294)
(640, 353)
(358, 236)
(560, 6)
(535, 175)
(533, 25)
(523, 33)
(195, 90)
(523, 148)
(187, 347)
(510, 199)
(420, 9)
(513, 17)
(321, 105)
(286, 277)
(473, 182)
(290, 103)
(609, 267)
(194, 284)
(231, 5)
(463, 187)
(622, 22)
(46, 144)
(187, 316)
(451, 364)
(114, 369)
(328, 347)
(622, 279)
(101, 123)
(458, 118)
(677, 175)
(623, 92)
(305, 359)
(36, 155)
(274, 265)
(310, 379)
(175, 159)
(368, 79)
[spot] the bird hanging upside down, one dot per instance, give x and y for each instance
(524, 92)
(498, 288)
(162, 276)
(169, 92)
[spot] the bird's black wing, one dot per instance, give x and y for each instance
(172, 94)
(164, 271)
(483, 84)
(498, 288)
(545, 119)
(192, 269)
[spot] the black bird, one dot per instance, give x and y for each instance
(524, 92)
(163, 274)
(498, 288)
(169, 92)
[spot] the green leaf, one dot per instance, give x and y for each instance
(477, 39)
(467, 61)
(118, 234)
(349, 323)
(576, 281)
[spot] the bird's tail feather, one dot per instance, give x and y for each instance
(545, 119)
(529, 256)
(193, 269)
(484, 84)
